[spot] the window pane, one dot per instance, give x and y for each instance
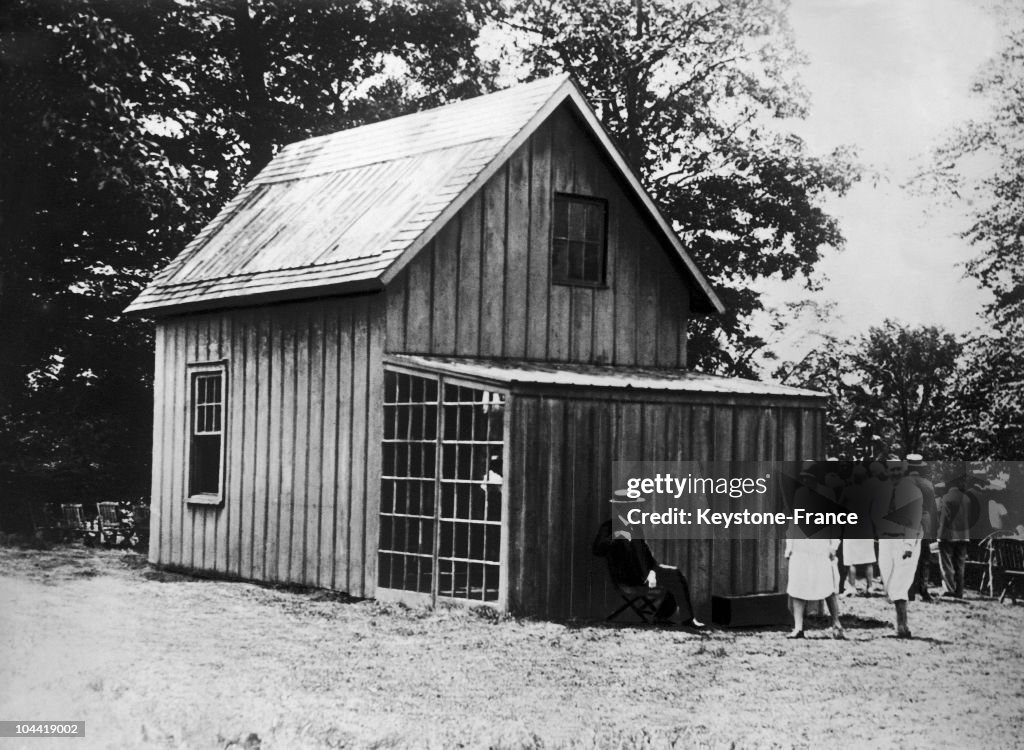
(561, 217)
(462, 500)
(446, 545)
(594, 222)
(491, 582)
(496, 423)
(478, 503)
(429, 460)
(413, 508)
(205, 464)
(493, 543)
(575, 272)
(427, 499)
(390, 387)
(494, 503)
(447, 500)
(476, 542)
(384, 570)
(401, 497)
(591, 262)
(476, 582)
(430, 423)
(577, 220)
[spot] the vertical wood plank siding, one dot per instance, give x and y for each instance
(560, 477)
(301, 471)
(481, 287)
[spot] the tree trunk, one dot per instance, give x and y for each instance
(252, 59)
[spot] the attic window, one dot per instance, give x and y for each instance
(578, 240)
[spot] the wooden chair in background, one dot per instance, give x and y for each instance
(110, 526)
(73, 522)
(1008, 562)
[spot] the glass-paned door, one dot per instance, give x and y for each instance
(441, 488)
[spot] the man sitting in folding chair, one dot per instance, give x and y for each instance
(647, 587)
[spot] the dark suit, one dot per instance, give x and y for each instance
(630, 561)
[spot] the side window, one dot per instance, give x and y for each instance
(206, 433)
(578, 240)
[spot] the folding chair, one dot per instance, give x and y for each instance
(643, 600)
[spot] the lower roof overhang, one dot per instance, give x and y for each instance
(608, 381)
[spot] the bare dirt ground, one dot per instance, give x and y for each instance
(152, 659)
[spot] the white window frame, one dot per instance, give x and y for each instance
(194, 371)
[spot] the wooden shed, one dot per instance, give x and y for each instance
(401, 362)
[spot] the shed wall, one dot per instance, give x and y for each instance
(301, 477)
(482, 287)
(560, 477)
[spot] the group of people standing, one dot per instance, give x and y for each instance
(900, 512)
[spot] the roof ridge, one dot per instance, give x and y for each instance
(268, 179)
(553, 81)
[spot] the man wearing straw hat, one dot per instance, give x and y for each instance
(631, 563)
(896, 512)
(929, 517)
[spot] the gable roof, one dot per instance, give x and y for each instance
(346, 212)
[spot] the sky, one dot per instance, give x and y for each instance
(890, 77)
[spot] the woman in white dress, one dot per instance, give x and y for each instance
(813, 573)
(859, 539)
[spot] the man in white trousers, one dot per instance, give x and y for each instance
(896, 511)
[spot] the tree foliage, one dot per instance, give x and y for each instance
(987, 419)
(125, 126)
(982, 164)
(891, 390)
(696, 93)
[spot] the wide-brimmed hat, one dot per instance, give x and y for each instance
(622, 496)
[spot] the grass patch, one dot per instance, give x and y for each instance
(161, 659)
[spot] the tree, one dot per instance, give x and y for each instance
(986, 421)
(903, 384)
(695, 95)
(996, 189)
(982, 164)
(889, 390)
(124, 127)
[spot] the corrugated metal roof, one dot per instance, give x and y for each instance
(524, 372)
(349, 209)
